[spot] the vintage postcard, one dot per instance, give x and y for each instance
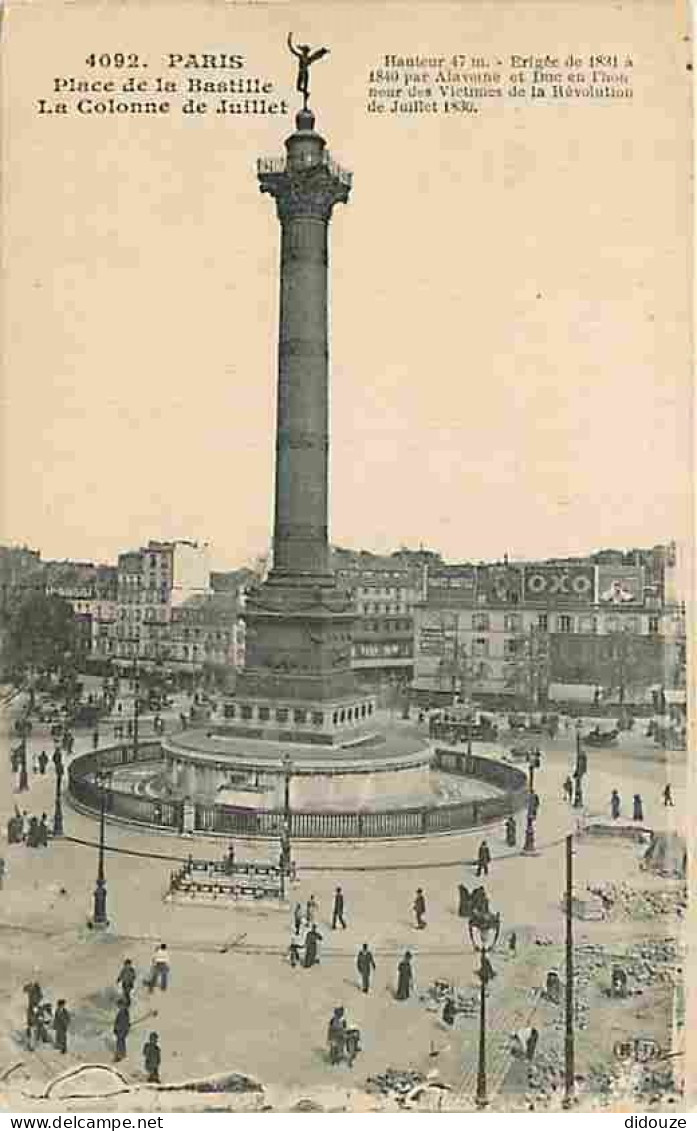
(345, 557)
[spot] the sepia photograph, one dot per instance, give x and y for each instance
(346, 558)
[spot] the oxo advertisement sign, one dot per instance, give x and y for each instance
(572, 584)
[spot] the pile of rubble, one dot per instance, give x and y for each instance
(637, 1082)
(545, 1076)
(437, 993)
(396, 1082)
(624, 901)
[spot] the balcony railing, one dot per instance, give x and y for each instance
(279, 165)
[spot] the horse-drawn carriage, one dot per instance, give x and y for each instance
(453, 727)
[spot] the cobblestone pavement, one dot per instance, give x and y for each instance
(243, 1008)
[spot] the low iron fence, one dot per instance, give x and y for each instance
(214, 819)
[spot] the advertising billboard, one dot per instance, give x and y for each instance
(452, 585)
(559, 584)
(620, 585)
(499, 585)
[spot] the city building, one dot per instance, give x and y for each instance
(384, 590)
(551, 629)
(91, 591)
(152, 582)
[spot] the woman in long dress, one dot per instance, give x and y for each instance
(405, 977)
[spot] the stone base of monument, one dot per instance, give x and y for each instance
(386, 784)
(366, 771)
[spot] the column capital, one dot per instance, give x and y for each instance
(310, 193)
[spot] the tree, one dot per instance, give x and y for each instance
(42, 633)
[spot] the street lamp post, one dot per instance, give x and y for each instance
(529, 844)
(285, 840)
(99, 918)
(579, 771)
(569, 1051)
(484, 933)
(58, 808)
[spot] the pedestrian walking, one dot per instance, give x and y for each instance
(43, 762)
(336, 1035)
(34, 996)
(33, 833)
(405, 977)
(42, 831)
(483, 859)
(312, 941)
(668, 795)
(294, 949)
(510, 831)
(568, 788)
(95, 739)
(615, 805)
(464, 901)
(311, 909)
(152, 1057)
(420, 909)
(366, 964)
(298, 918)
(122, 1027)
(338, 910)
(513, 943)
(61, 1024)
(638, 808)
(126, 980)
(57, 759)
(159, 970)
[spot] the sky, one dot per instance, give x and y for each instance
(508, 291)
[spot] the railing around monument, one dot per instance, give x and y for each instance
(213, 819)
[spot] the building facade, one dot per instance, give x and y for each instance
(152, 582)
(542, 630)
(385, 590)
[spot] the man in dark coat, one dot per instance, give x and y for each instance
(33, 833)
(483, 859)
(420, 909)
(122, 1027)
(615, 804)
(43, 762)
(61, 1024)
(152, 1056)
(510, 831)
(338, 911)
(405, 977)
(43, 831)
(366, 964)
(464, 901)
(127, 980)
(34, 995)
(638, 814)
(336, 1034)
(312, 941)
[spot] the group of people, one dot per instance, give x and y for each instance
(41, 1017)
(126, 981)
(305, 937)
(23, 829)
(616, 806)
